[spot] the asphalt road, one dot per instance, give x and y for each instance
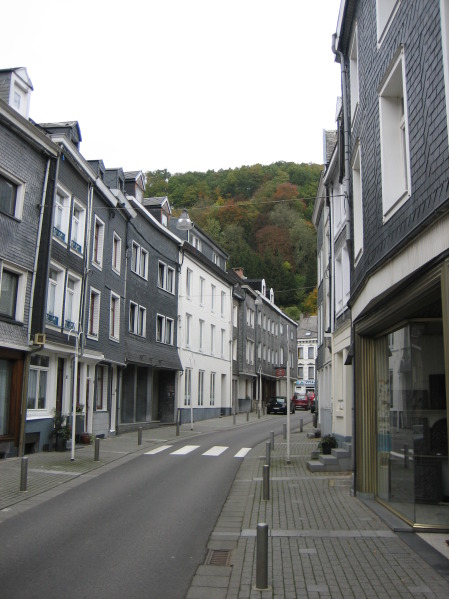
(137, 531)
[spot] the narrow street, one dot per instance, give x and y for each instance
(138, 530)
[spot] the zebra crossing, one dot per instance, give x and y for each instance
(215, 451)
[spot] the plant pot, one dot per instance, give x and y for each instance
(326, 450)
(60, 444)
(85, 438)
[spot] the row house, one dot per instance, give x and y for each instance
(204, 328)
(264, 343)
(331, 219)
(307, 351)
(28, 159)
(394, 165)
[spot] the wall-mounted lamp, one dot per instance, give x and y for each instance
(184, 223)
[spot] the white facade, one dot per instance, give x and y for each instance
(204, 340)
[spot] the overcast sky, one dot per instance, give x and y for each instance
(181, 84)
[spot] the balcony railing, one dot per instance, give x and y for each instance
(76, 246)
(52, 319)
(59, 234)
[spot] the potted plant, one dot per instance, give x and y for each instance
(327, 443)
(62, 431)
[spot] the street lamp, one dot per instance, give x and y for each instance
(184, 223)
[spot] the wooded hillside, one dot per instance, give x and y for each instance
(261, 216)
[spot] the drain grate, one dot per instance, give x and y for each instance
(218, 557)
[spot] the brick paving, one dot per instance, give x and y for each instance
(323, 542)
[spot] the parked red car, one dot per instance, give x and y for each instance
(301, 402)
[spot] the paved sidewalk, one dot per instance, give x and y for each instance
(322, 541)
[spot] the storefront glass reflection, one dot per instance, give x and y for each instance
(412, 433)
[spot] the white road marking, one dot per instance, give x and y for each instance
(185, 450)
(242, 453)
(158, 449)
(215, 451)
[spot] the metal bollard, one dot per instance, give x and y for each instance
(266, 483)
(258, 413)
(262, 557)
(23, 473)
(272, 439)
(285, 430)
(177, 423)
(139, 435)
(315, 419)
(405, 456)
(97, 450)
(301, 424)
(234, 417)
(247, 416)
(268, 452)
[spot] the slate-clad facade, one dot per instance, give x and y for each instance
(27, 160)
(395, 83)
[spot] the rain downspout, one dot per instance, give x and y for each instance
(27, 363)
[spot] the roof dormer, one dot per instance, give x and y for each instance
(15, 89)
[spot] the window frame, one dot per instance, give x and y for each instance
(394, 138)
(77, 245)
(137, 325)
(19, 188)
(20, 291)
(116, 253)
(58, 283)
(93, 327)
(39, 369)
(76, 301)
(61, 218)
(385, 13)
(114, 317)
(357, 196)
(98, 243)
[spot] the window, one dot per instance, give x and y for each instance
(354, 74)
(234, 349)
(342, 279)
(37, 383)
(139, 260)
(212, 389)
(166, 277)
(202, 291)
(200, 387)
(357, 203)
(223, 303)
(137, 319)
(114, 317)
(101, 401)
(61, 216)
(94, 313)
(164, 329)
(281, 356)
(300, 352)
(212, 338)
(187, 386)
(188, 329)
(250, 351)
(116, 253)
(259, 350)
(97, 253)
(394, 139)
(212, 301)
(196, 242)
(235, 315)
(223, 343)
(311, 352)
(386, 10)
(300, 372)
(250, 317)
(8, 296)
(311, 373)
(78, 223)
(188, 282)
(72, 302)
(55, 295)
(12, 193)
(201, 335)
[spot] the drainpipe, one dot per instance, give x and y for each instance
(82, 314)
(26, 369)
(346, 123)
